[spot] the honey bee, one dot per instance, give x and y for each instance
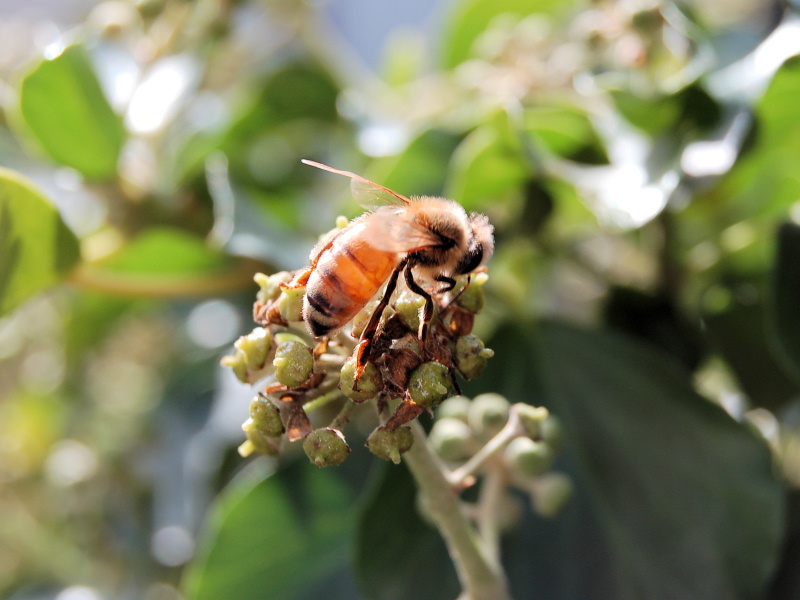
(427, 239)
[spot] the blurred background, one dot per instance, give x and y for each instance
(638, 160)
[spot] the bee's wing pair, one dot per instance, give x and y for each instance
(388, 229)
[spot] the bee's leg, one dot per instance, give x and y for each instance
(427, 313)
(364, 344)
(449, 283)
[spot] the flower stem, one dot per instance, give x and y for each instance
(481, 577)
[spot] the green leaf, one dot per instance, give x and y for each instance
(685, 494)
(567, 132)
(487, 165)
(785, 297)
(273, 538)
(63, 105)
(36, 247)
(398, 555)
(471, 17)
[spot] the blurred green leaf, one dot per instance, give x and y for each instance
(64, 106)
(471, 17)
(652, 115)
(164, 250)
(488, 164)
(685, 494)
(36, 247)
(273, 538)
(398, 555)
(566, 131)
(786, 297)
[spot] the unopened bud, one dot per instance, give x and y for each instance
(451, 439)
(408, 306)
(551, 494)
(238, 364)
(255, 347)
(269, 285)
(294, 363)
(471, 356)
(257, 441)
(430, 384)
(266, 417)
(531, 418)
(487, 414)
(528, 458)
(368, 386)
(472, 299)
(389, 445)
(552, 432)
(326, 447)
(290, 304)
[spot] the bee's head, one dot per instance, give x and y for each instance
(480, 245)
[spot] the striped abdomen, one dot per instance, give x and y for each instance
(347, 274)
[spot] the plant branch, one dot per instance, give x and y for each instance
(481, 577)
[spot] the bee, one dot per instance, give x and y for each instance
(428, 240)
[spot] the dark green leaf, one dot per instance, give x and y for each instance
(685, 494)
(566, 131)
(274, 538)
(64, 106)
(36, 247)
(399, 556)
(786, 297)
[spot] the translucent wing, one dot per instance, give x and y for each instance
(367, 193)
(388, 228)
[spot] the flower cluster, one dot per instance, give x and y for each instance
(403, 377)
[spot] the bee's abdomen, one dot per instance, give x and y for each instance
(345, 278)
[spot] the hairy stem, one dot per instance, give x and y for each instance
(481, 577)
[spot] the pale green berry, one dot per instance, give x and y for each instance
(326, 447)
(290, 304)
(471, 356)
(408, 306)
(368, 386)
(488, 414)
(294, 363)
(258, 441)
(551, 494)
(552, 432)
(266, 417)
(528, 458)
(237, 362)
(451, 438)
(456, 407)
(389, 445)
(531, 418)
(430, 384)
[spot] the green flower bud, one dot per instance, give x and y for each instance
(451, 439)
(255, 347)
(528, 458)
(326, 447)
(389, 445)
(269, 286)
(430, 384)
(471, 356)
(237, 362)
(369, 385)
(257, 441)
(290, 304)
(408, 306)
(552, 432)
(472, 299)
(294, 363)
(531, 418)
(551, 494)
(487, 414)
(266, 417)
(456, 407)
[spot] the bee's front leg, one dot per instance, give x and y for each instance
(427, 312)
